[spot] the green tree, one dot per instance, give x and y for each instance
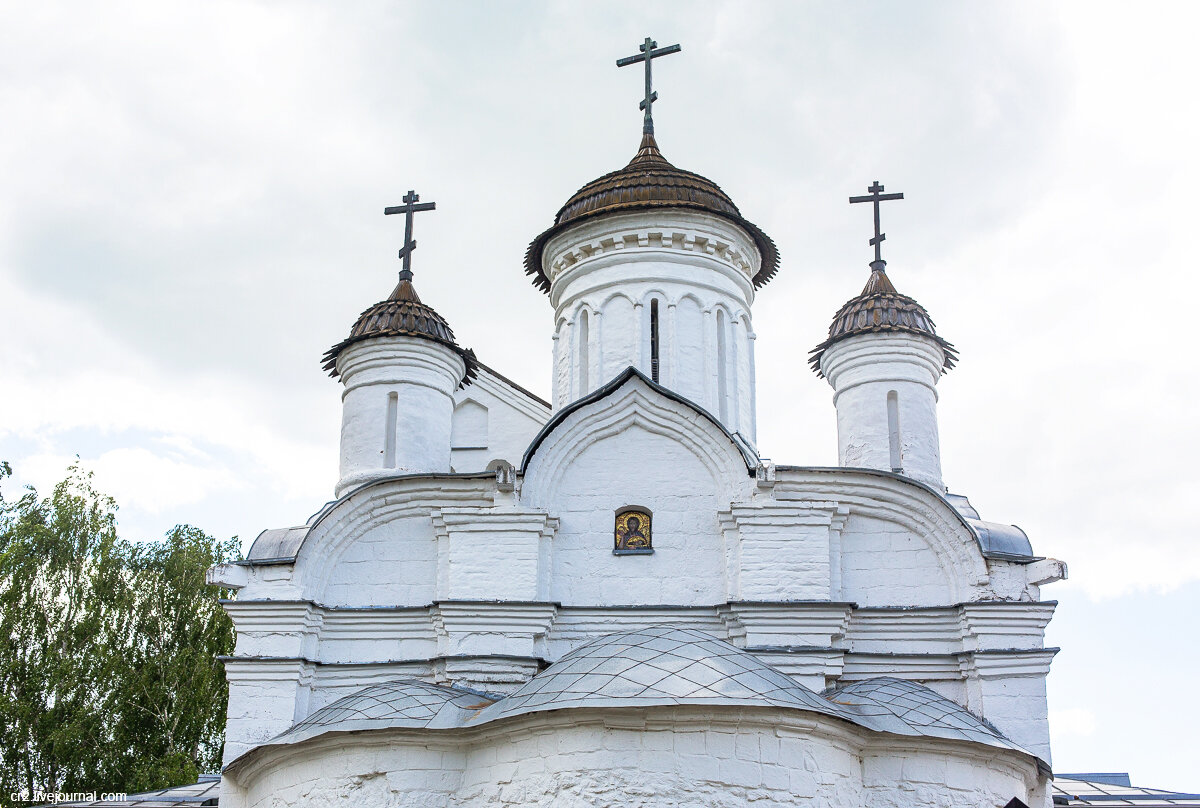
(108, 676)
(172, 695)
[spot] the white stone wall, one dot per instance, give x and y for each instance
(636, 449)
(831, 575)
(686, 756)
(638, 468)
(396, 408)
(493, 421)
(863, 371)
(886, 564)
(390, 563)
(697, 267)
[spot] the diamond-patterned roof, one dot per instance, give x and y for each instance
(654, 666)
(907, 708)
(644, 667)
(401, 703)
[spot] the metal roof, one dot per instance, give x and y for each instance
(654, 666)
(649, 181)
(402, 315)
(902, 707)
(1114, 789)
(201, 793)
(648, 667)
(879, 308)
(402, 703)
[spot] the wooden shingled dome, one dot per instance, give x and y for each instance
(879, 308)
(649, 181)
(402, 315)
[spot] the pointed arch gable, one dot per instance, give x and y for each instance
(633, 399)
(911, 505)
(395, 513)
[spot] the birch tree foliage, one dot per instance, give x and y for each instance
(108, 672)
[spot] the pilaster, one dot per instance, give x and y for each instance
(262, 700)
(777, 551)
(1009, 688)
(493, 553)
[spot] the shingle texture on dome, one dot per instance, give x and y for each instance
(401, 315)
(879, 308)
(649, 181)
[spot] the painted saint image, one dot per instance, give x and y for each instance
(633, 530)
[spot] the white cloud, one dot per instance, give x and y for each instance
(138, 478)
(190, 216)
(1076, 721)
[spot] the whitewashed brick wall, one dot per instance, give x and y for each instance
(667, 757)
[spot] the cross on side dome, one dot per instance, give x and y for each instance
(403, 314)
(876, 196)
(409, 207)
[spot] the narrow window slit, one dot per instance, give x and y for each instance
(583, 353)
(389, 438)
(893, 416)
(722, 370)
(654, 340)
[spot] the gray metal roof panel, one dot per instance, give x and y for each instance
(907, 708)
(649, 667)
(1001, 541)
(657, 666)
(1111, 789)
(403, 703)
(278, 543)
(203, 792)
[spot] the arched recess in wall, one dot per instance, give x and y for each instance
(561, 380)
(583, 352)
(893, 419)
(688, 349)
(751, 380)
(389, 431)
(620, 344)
(722, 366)
(469, 429)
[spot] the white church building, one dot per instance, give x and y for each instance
(611, 597)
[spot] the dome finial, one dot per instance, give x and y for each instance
(876, 196)
(648, 52)
(409, 207)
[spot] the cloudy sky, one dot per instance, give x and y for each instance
(190, 214)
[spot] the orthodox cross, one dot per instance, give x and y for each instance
(409, 207)
(648, 52)
(877, 195)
